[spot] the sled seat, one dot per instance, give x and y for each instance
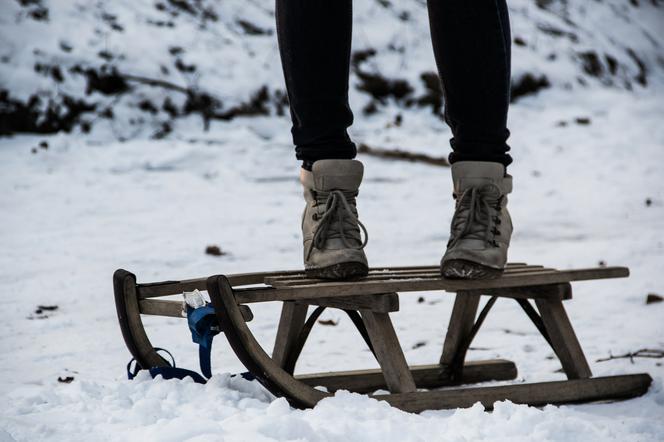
(368, 301)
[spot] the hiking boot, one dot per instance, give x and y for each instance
(481, 226)
(330, 228)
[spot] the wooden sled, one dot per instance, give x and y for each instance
(368, 302)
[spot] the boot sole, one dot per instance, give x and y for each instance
(344, 270)
(462, 269)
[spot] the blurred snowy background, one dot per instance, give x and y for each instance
(120, 121)
(129, 69)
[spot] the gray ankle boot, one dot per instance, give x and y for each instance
(330, 227)
(481, 226)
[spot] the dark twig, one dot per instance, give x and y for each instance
(643, 353)
(397, 154)
(156, 83)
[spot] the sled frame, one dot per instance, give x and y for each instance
(369, 302)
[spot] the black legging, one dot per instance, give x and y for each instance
(471, 42)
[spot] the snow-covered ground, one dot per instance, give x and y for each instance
(589, 187)
(75, 212)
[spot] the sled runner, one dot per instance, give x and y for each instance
(369, 302)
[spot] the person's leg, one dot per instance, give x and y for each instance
(314, 42)
(471, 42)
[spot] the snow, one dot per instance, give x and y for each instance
(73, 213)
(235, 410)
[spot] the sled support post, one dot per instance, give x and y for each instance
(461, 323)
(291, 321)
(388, 352)
(563, 339)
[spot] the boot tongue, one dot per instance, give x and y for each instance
(466, 174)
(337, 175)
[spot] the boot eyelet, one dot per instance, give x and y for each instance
(314, 216)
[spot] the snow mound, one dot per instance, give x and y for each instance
(233, 409)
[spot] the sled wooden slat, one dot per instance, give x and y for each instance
(425, 376)
(279, 283)
(562, 291)
(382, 303)
(383, 273)
(387, 270)
(290, 280)
(173, 309)
(536, 394)
(434, 273)
(166, 288)
(360, 287)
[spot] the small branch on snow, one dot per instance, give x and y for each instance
(643, 353)
(397, 154)
(156, 83)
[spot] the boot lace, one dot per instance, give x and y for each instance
(338, 220)
(476, 215)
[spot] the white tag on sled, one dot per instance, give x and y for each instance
(193, 299)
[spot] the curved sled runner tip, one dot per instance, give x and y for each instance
(129, 316)
(251, 354)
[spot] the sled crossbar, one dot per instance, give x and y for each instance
(368, 302)
(173, 309)
(425, 376)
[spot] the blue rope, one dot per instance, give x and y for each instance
(204, 326)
